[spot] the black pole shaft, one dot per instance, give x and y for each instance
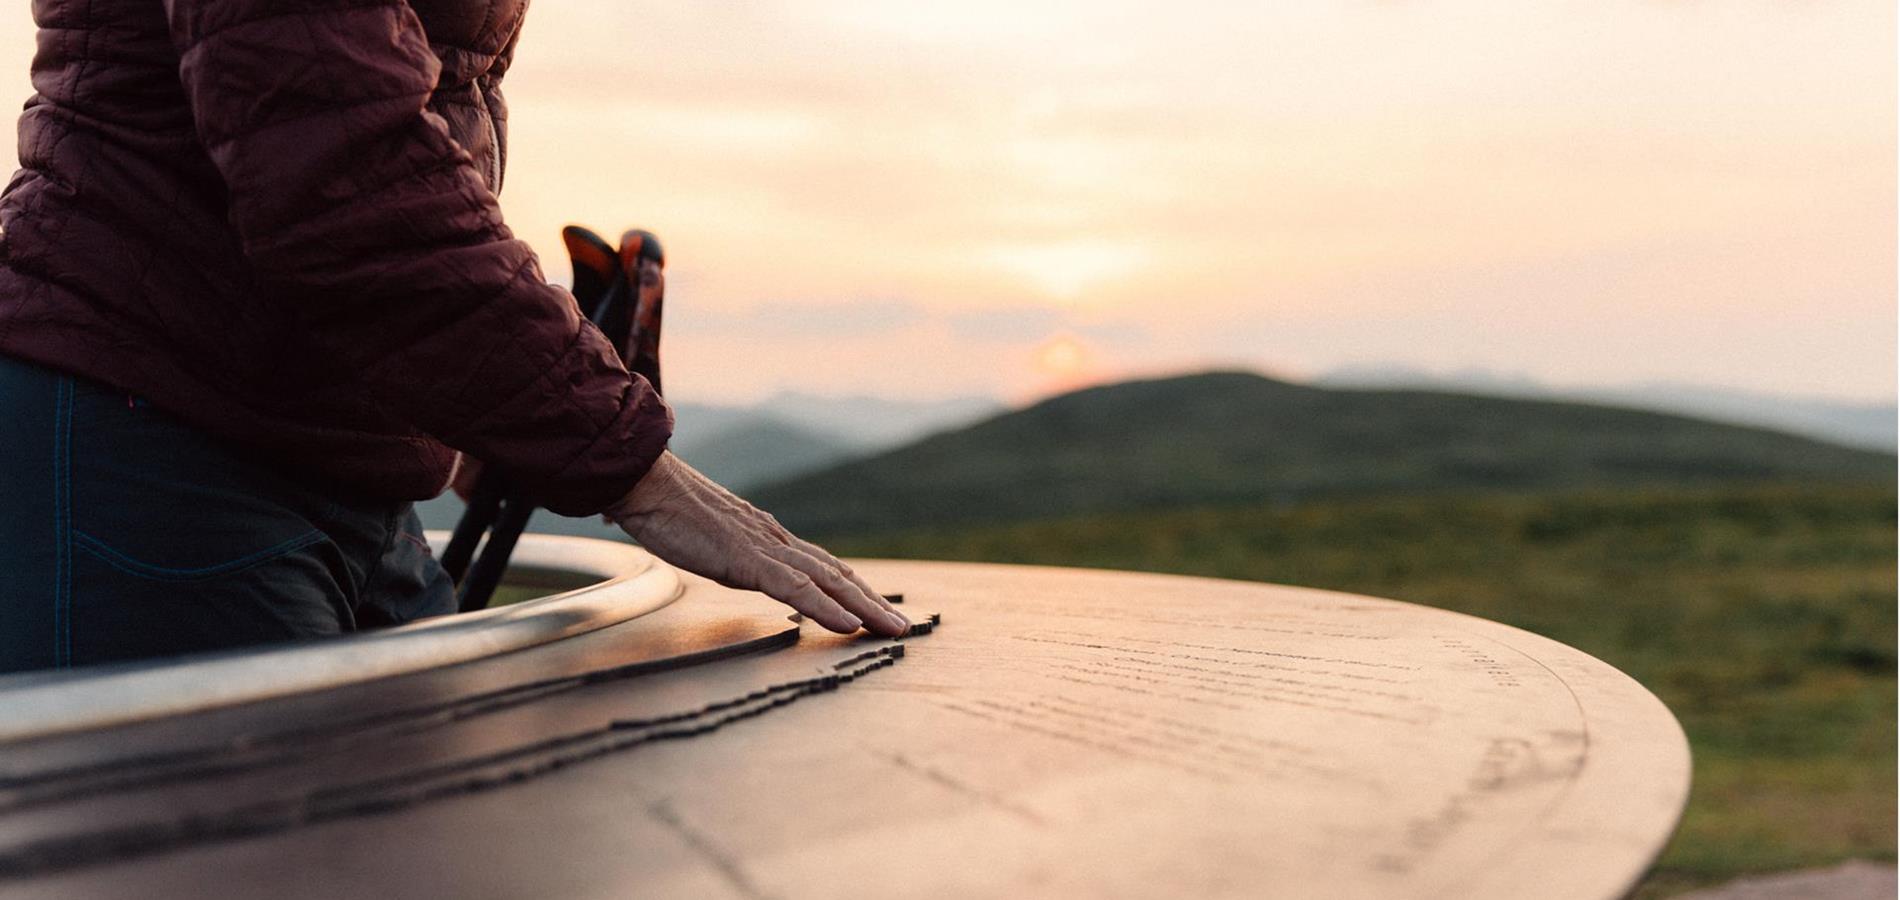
(486, 574)
(484, 502)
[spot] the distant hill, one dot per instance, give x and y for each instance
(875, 422)
(746, 450)
(1229, 437)
(783, 437)
(1870, 426)
(758, 449)
(859, 422)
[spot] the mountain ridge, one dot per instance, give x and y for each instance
(1235, 437)
(1865, 424)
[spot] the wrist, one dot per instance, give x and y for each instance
(661, 481)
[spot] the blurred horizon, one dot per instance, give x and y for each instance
(1010, 200)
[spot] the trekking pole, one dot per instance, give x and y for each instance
(484, 502)
(612, 291)
(485, 576)
(643, 263)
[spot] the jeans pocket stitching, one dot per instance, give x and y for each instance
(104, 552)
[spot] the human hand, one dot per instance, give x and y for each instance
(688, 520)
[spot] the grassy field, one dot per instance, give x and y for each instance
(1764, 617)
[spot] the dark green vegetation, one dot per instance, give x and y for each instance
(1233, 439)
(1763, 615)
(510, 594)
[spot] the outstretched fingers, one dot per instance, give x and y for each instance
(899, 621)
(828, 574)
(800, 591)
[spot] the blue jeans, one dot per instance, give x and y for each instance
(125, 534)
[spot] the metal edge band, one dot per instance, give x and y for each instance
(633, 583)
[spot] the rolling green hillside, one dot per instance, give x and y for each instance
(1229, 438)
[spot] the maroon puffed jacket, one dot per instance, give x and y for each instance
(276, 219)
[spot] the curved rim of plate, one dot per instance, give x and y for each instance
(628, 582)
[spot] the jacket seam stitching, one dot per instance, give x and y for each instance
(339, 107)
(287, 14)
(373, 373)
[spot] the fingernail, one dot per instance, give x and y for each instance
(903, 624)
(852, 623)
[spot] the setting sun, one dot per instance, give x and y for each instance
(1061, 355)
(1064, 362)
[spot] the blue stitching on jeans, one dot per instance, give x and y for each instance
(132, 566)
(62, 524)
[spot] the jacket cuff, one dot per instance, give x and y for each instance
(615, 460)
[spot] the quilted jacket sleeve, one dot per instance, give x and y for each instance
(354, 203)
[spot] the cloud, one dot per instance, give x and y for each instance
(1009, 324)
(793, 318)
(1685, 191)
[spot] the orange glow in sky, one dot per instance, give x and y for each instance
(1061, 356)
(1065, 363)
(928, 200)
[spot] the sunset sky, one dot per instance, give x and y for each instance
(1008, 198)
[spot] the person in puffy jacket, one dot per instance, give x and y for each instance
(256, 297)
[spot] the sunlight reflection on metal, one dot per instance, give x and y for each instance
(630, 583)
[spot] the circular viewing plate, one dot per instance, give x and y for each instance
(1117, 734)
(1060, 733)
